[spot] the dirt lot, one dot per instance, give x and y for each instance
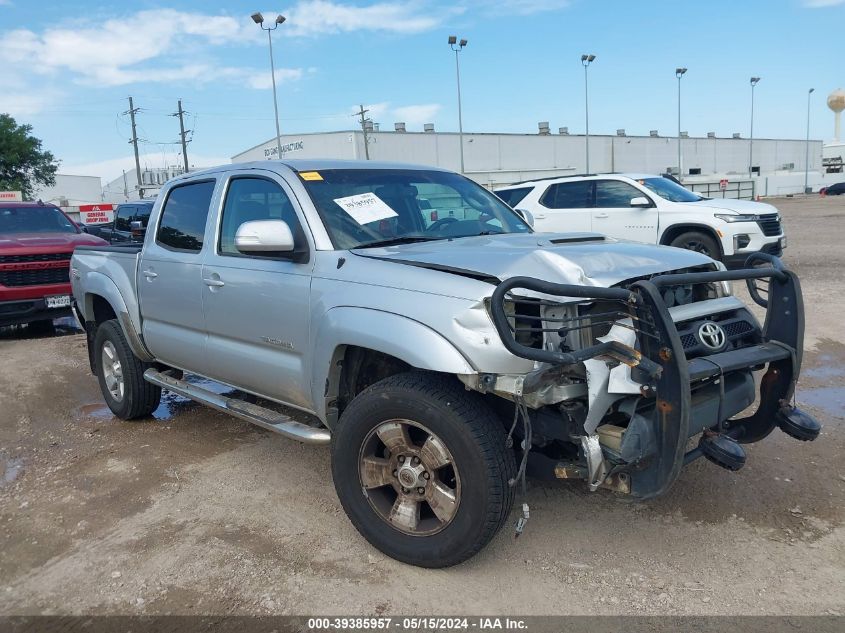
(196, 512)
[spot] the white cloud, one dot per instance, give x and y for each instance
(126, 50)
(523, 7)
(414, 116)
(417, 115)
(319, 17)
(260, 80)
(113, 168)
(821, 4)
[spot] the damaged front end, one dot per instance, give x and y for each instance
(622, 387)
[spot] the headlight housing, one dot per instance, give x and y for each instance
(742, 217)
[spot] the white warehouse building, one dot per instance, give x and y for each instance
(495, 160)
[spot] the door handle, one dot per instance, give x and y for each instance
(540, 216)
(150, 274)
(213, 283)
(601, 215)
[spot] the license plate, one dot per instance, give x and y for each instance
(58, 301)
(783, 242)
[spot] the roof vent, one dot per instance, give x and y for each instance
(737, 135)
(684, 134)
(375, 127)
(428, 127)
(563, 131)
(544, 128)
(368, 125)
(711, 135)
(620, 131)
(399, 127)
(653, 133)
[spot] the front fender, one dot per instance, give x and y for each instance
(410, 341)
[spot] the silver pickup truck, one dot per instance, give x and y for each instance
(444, 348)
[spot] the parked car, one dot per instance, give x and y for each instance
(129, 225)
(833, 190)
(442, 359)
(651, 209)
(36, 242)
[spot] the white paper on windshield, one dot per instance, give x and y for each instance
(366, 207)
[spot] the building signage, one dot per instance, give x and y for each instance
(11, 196)
(96, 213)
(296, 146)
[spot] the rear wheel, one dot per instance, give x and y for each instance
(121, 375)
(421, 469)
(699, 242)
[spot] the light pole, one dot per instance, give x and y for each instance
(807, 146)
(679, 72)
(457, 46)
(586, 60)
(259, 20)
(753, 82)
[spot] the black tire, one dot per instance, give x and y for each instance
(698, 242)
(139, 398)
(474, 437)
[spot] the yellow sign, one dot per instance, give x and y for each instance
(310, 175)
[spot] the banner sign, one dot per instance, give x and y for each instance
(96, 213)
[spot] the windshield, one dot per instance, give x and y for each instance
(368, 207)
(670, 190)
(34, 220)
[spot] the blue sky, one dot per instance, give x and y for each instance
(68, 67)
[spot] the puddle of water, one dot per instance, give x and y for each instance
(12, 470)
(831, 400)
(58, 327)
(826, 371)
(96, 410)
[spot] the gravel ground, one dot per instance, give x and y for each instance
(196, 512)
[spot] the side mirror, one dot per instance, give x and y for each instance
(641, 202)
(84, 229)
(136, 225)
(262, 236)
(526, 215)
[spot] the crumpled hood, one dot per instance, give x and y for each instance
(567, 258)
(740, 206)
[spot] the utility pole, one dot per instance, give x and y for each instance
(134, 141)
(361, 113)
(182, 133)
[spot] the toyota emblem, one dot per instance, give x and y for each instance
(712, 335)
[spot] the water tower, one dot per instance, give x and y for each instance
(836, 102)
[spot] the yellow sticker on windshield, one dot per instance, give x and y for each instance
(310, 175)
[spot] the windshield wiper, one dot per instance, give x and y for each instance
(404, 239)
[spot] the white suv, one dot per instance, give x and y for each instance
(651, 209)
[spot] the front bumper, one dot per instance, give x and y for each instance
(737, 260)
(671, 412)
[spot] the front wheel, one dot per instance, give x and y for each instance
(121, 375)
(698, 242)
(421, 469)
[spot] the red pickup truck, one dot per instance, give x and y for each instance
(36, 242)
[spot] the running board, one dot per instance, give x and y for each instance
(260, 416)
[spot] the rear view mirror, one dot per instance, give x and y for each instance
(640, 201)
(526, 215)
(262, 236)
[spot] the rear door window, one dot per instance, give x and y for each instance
(183, 218)
(569, 195)
(513, 197)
